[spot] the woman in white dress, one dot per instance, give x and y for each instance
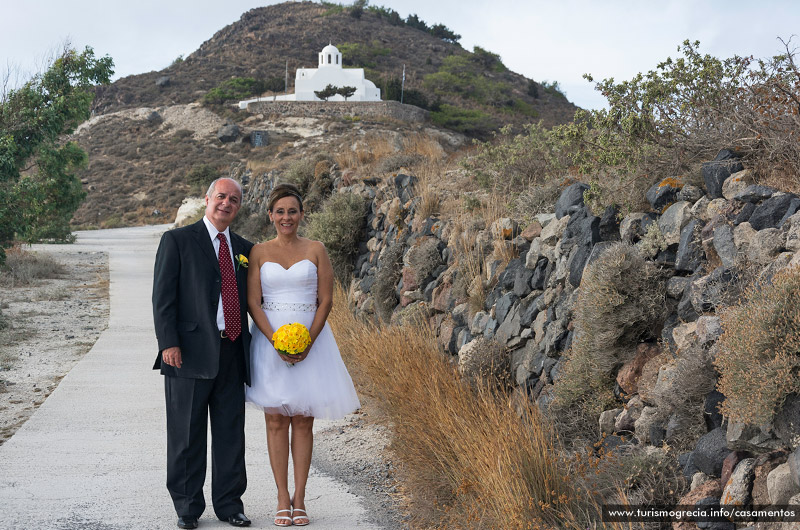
(290, 279)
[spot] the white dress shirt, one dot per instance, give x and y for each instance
(212, 233)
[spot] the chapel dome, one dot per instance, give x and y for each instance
(330, 56)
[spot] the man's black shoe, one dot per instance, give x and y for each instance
(237, 519)
(187, 522)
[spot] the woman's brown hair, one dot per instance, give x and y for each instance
(284, 190)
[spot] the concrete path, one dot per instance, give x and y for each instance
(93, 456)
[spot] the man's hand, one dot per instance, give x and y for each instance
(172, 356)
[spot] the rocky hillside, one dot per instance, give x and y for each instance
(261, 43)
(620, 322)
(152, 141)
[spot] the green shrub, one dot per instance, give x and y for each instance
(339, 225)
(620, 304)
(463, 75)
(362, 54)
(234, 89)
(200, 177)
(470, 122)
(758, 355)
(424, 257)
(301, 172)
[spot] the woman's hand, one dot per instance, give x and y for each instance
(294, 359)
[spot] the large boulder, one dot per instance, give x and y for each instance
(772, 211)
(664, 193)
(717, 171)
(228, 133)
(710, 452)
(740, 484)
(570, 200)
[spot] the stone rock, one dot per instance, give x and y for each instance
(755, 193)
(710, 292)
(442, 299)
(570, 200)
(724, 245)
(710, 451)
(780, 486)
(690, 249)
(478, 323)
(626, 421)
(509, 328)
(577, 264)
(744, 214)
(793, 233)
(711, 414)
(769, 213)
(532, 231)
(765, 463)
(643, 426)
(708, 329)
(522, 281)
(736, 183)
(794, 207)
(742, 437)
(505, 228)
(739, 485)
(448, 336)
(228, 133)
(729, 464)
(607, 420)
(629, 374)
(765, 245)
(786, 423)
(698, 479)
(664, 193)
(690, 193)
(504, 305)
(163, 81)
(676, 286)
(717, 171)
(609, 224)
(742, 235)
(707, 489)
(673, 220)
(631, 227)
(794, 466)
(507, 277)
(553, 231)
(685, 335)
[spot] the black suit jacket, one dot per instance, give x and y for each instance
(186, 290)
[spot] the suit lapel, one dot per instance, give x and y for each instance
(205, 244)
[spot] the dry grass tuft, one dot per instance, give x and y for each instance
(758, 351)
(471, 458)
(24, 268)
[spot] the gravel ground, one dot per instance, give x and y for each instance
(52, 323)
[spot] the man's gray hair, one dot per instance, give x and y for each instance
(214, 185)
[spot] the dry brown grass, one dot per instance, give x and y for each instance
(758, 357)
(470, 459)
(24, 267)
(423, 145)
(365, 152)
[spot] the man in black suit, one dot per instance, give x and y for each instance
(200, 315)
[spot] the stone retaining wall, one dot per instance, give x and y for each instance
(340, 109)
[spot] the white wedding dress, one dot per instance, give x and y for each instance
(318, 386)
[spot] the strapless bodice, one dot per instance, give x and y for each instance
(295, 285)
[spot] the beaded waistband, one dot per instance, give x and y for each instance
(282, 306)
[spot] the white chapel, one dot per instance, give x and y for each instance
(329, 72)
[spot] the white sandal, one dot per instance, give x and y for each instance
(295, 517)
(283, 518)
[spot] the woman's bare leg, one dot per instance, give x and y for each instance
(278, 449)
(302, 445)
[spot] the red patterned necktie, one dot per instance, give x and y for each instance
(230, 295)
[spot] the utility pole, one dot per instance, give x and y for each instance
(403, 84)
(286, 79)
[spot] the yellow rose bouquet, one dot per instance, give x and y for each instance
(291, 339)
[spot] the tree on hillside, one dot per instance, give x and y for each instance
(39, 191)
(326, 92)
(346, 91)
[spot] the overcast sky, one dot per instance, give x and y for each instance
(552, 40)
